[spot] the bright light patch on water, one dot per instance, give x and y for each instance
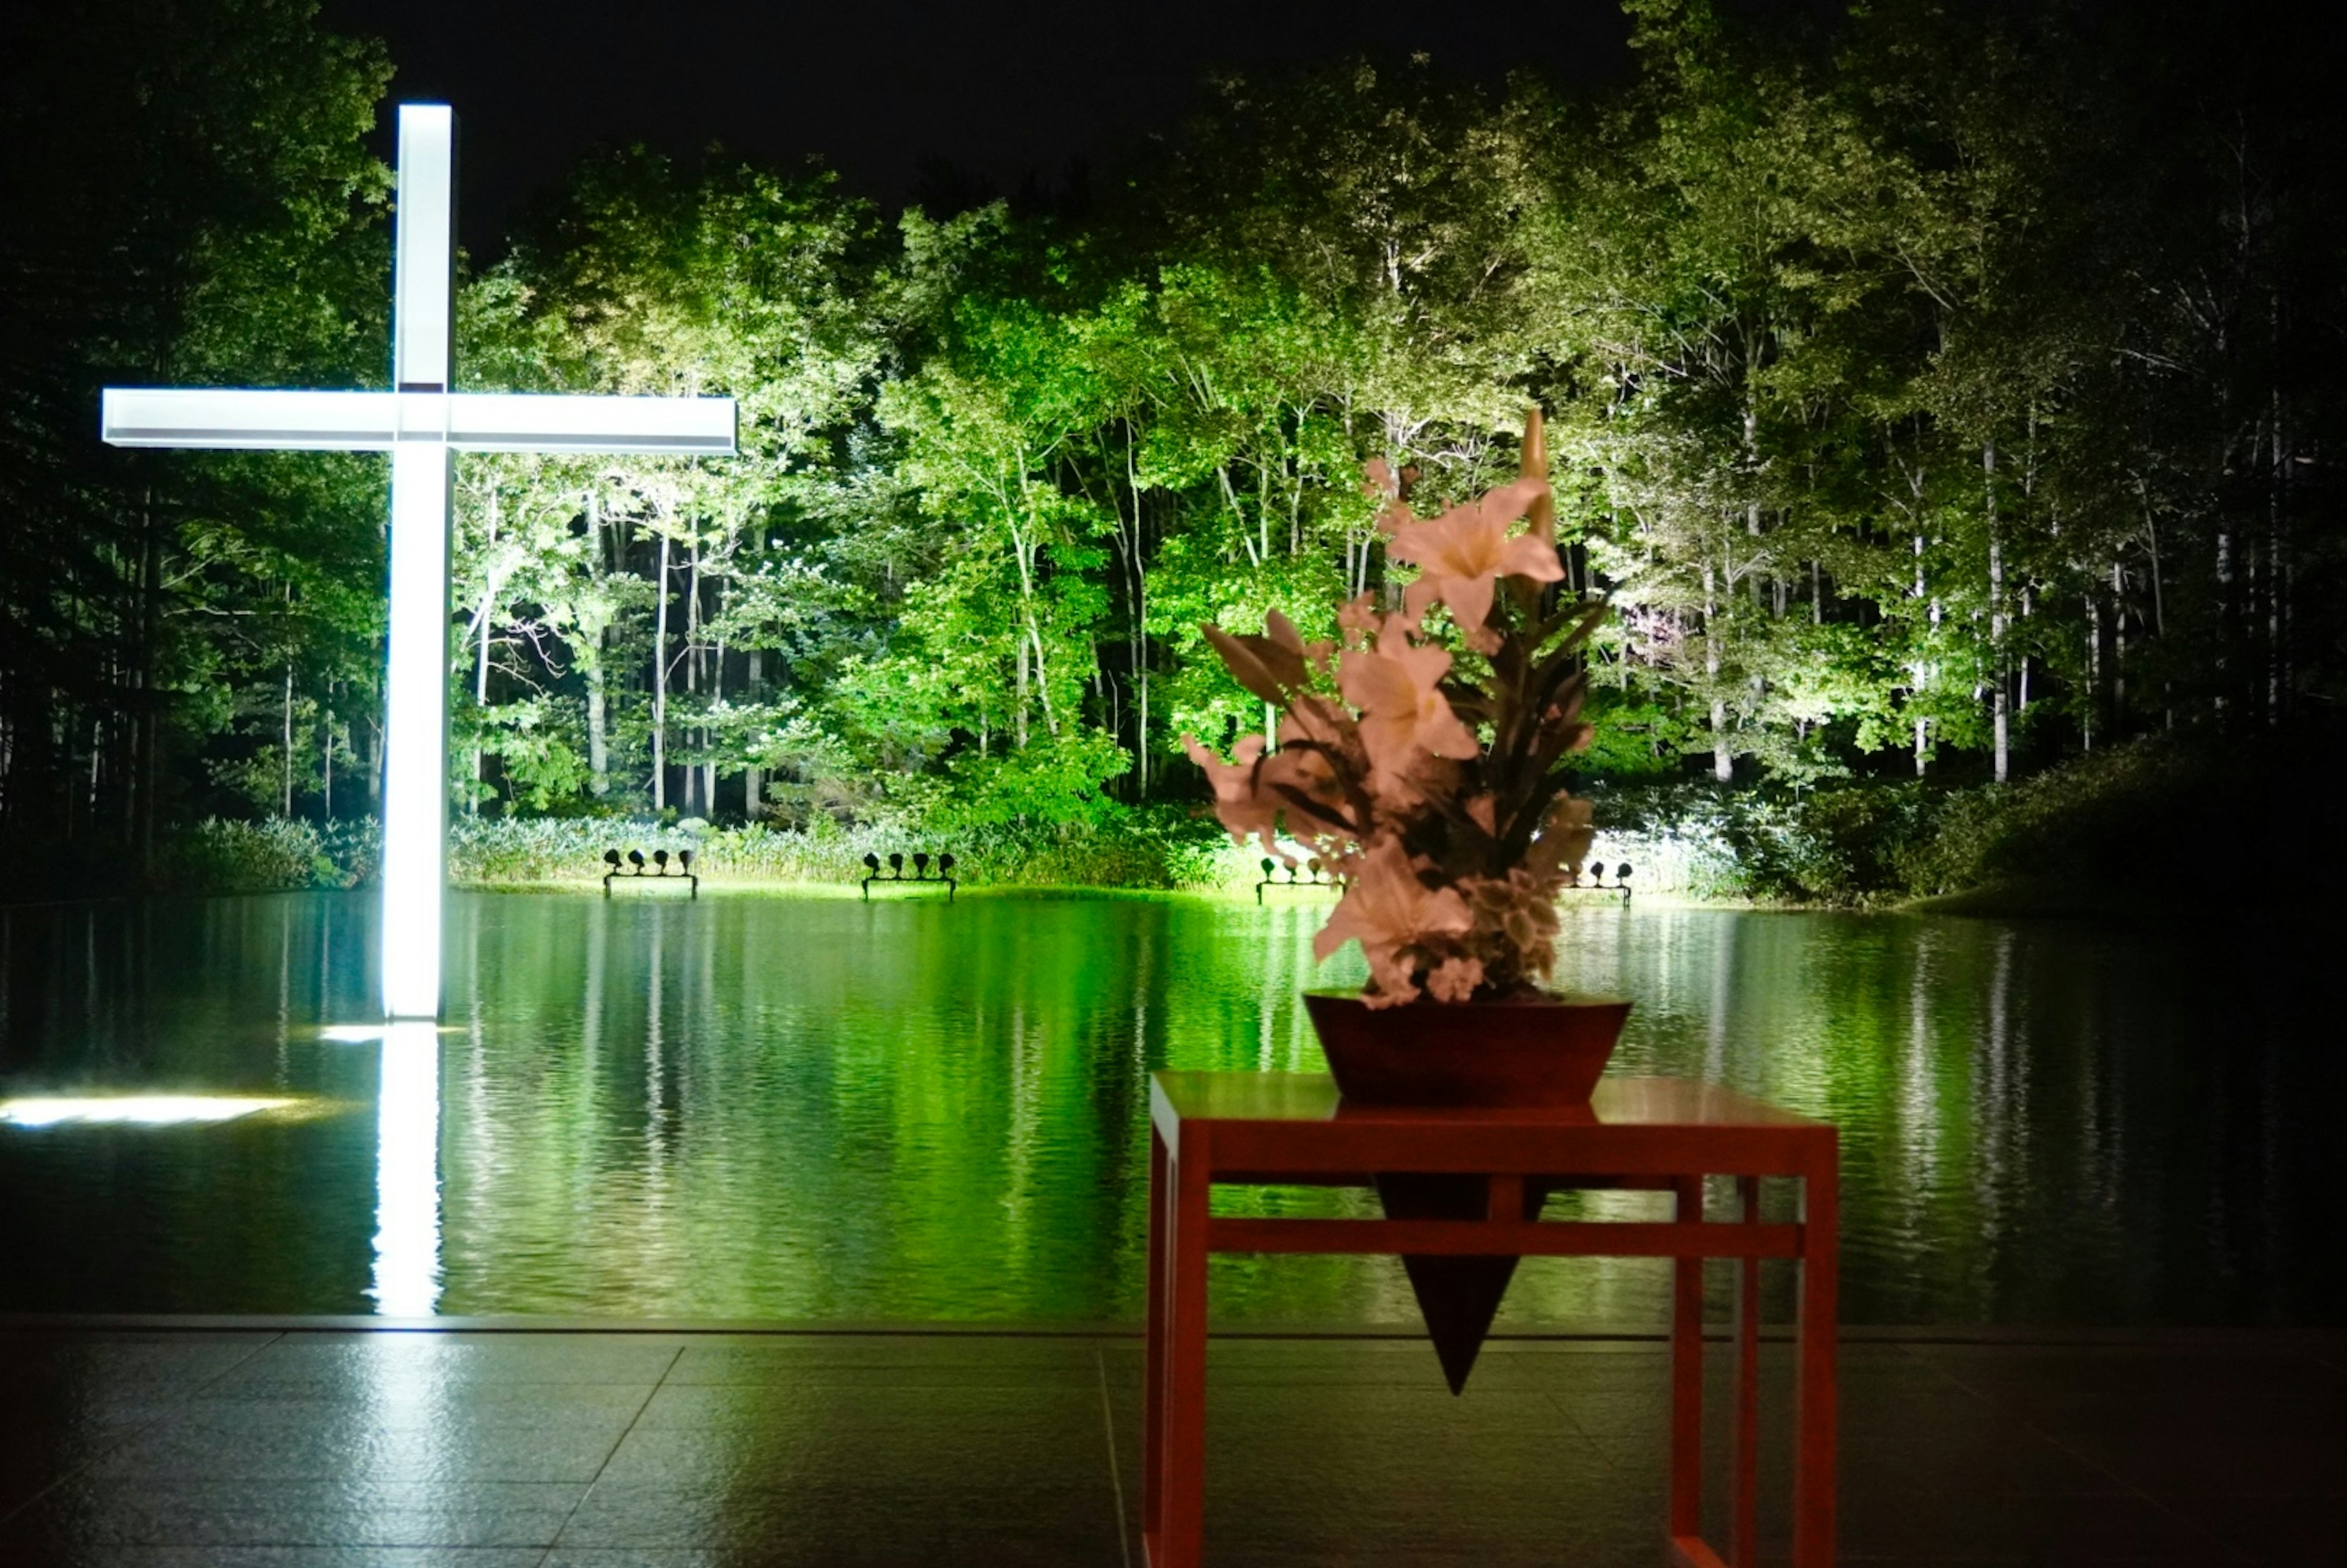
(368, 1033)
(407, 1174)
(132, 1109)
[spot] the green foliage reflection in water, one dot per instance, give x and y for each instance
(777, 1109)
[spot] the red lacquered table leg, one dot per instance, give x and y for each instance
(1686, 1373)
(1153, 1416)
(1814, 1395)
(1744, 1531)
(1181, 1500)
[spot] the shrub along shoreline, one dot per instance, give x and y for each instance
(2148, 824)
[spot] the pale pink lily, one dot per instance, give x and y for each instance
(1388, 910)
(1243, 807)
(1405, 718)
(1251, 793)
(1360, 613)
(1466, 549)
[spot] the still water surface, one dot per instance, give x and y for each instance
(773, 1108)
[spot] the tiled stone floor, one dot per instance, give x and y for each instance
(337, 1448)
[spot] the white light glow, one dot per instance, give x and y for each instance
(368, 1033)
(226, 418)
(513, 422)
(423, 245)
(218, 417)
(132, 1109)
(420, 424)
(415, 770)
(407, 1174)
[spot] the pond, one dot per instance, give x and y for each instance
(765, 1109)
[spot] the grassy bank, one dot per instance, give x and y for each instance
(2151, 823)
(2146, 824)
(1161, 850)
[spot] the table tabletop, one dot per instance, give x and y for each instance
(1617, 1102)
(1298, 1121)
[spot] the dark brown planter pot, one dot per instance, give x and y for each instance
(1548, 1050)
(1543, 1050)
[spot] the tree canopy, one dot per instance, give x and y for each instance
(1948, 390)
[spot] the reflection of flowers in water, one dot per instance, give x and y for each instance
(1431, 778)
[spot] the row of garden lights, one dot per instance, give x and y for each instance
(660, 858)
(920, 863)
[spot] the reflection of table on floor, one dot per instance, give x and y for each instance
(1244, 1128)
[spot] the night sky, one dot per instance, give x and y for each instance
(875, 87)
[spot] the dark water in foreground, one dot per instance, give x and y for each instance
(755, 1107)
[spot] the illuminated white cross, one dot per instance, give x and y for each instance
(421, 424)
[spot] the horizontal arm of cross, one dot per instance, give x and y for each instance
(380, 421)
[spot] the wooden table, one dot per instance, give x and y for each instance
(1253, 1129)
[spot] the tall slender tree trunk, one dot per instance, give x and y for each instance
(149, 718)
(2227, 613)
(2028, 608)
(2159, 612)
(2000, 722)
(1921, 668)
(753, 777)
(2278, 575)
(1752, 467)
(708, 736)
(598, 752)
(2093, 667)
(693, 667)
(480, 706)
(2118, 650)
(660, 684)
(1752, 527)
(1018, 723)
(481, 665)
(1137, 567)
(285, 803)
(1723, 755)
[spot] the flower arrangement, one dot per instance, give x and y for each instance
(1422, 756)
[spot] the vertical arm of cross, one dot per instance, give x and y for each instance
(415, 730)
(421, 422)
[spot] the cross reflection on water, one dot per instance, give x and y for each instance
(753, 1108)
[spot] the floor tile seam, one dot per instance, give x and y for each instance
(2225, 1549)
(1115, 1475)
(1595, 1444)
(133, 1431)
(554, 1542)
